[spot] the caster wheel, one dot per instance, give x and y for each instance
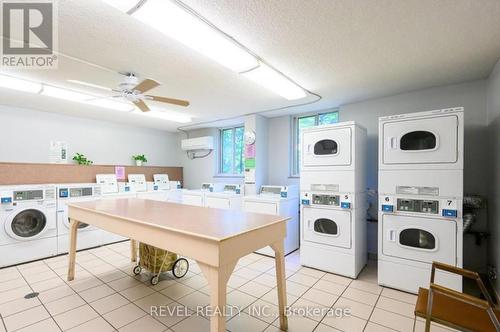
(180, 268)
(155, 280)
(137, 270)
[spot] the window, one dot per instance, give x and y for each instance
(231, 151)
(306, 121)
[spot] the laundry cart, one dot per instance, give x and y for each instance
(157, 260)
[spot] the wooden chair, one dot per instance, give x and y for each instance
(454, 309)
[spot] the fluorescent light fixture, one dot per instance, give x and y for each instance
(276, 82)
(13, 83)
(192, 31)
(90, 85)
(66, 94)
(123, 5)
(165, 115)
(112, 104)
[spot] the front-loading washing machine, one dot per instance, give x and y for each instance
(112, 189)
(196, 197)
(279, 201)
(28, 229)
(230, 198)
(88, 235)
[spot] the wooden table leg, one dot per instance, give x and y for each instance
(217, 278)
(133, 250)
(279, 253)
(73, 233)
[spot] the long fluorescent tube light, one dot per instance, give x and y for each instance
(111, 104)
(177, 23)
(66, 94)
(91, 85)
(274, 81)
(165, 115)
(19, 84)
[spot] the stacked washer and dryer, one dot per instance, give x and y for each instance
(421, 159)
(333, 198)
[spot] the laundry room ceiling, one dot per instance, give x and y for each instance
(345, 51)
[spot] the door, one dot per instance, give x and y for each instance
(261, 207)
(65, 219)
(217, 202)
(329, 147)
(419, 239)
(421, 141)
(327, 226)
(27, 224)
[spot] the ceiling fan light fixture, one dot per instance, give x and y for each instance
(271, 79)
(185, 27)
(19, 84)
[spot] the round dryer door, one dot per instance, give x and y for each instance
(27, 224)
(66, 222)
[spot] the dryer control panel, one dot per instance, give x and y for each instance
(327, 199)
(442, 207)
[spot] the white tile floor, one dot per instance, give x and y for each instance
(106, 296)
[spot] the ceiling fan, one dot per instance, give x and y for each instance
(134, 91)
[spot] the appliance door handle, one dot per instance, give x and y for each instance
(391, 235)
(309, 224)
(392, 143)
(308, 148)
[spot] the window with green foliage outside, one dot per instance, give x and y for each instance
(306, 121)
(231, 146)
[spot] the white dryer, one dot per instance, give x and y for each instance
(28, 227)
(282, 201)
(112, 189)
(230, 198)
(197, 197)
(88, 235)
(333, 228)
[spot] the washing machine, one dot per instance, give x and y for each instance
(112, 189)
(333, 231)
(28, 229)
(420, 198)
(163, 190)
(137, 183)
(230, 198)
(88, 235)
(197, 196)
(277, 200)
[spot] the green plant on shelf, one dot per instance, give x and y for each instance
(139, 159)
(80, 159)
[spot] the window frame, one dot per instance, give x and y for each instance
(294, 162)
(220, 153)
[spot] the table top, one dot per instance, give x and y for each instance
(209, 223)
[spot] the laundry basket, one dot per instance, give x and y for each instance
(157, 260)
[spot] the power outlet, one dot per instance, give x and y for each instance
(492, 272)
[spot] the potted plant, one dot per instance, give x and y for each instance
(80, 159)
(140, 159)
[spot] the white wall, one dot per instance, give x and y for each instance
(493, 150)
(25, 136)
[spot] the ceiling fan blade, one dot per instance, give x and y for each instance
(146, 85)
(141, 105)
(169, 100)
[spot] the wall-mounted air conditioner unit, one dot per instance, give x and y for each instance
(198, 143)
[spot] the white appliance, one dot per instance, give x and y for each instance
(333, 198)
(198, 143)
(28, 227)
(137, 182)
(420, 198)
(112, 189)
(88, 235)
(281, 201)
(230, 198)
(162, 190)
(197, 197)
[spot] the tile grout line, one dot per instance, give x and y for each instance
(373, 309)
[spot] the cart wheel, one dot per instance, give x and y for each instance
(155, 280)
(137, 270)
(180, 268)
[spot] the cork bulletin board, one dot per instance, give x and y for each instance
(33, 173)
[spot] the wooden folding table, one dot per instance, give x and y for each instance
(215, 238)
